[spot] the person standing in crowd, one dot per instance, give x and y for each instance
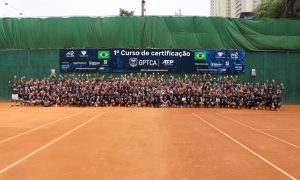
(15, 92)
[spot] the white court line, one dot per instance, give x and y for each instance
(52, 142)
(279, 129)
(34, 129)
(257, 130)
(245, 147)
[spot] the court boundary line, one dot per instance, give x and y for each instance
(245, 147)
(39, 127)
(260, 131)
(50, 143)
(269, 129)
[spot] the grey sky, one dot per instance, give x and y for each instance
(37, 8)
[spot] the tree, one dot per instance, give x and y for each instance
(269, 9)
(292, 9)
(124, 12)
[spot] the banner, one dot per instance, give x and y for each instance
(152, 60)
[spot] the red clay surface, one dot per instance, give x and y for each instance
(146, 143)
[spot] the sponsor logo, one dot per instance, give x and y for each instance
(84, 68)
(78, 63)
(201, 64)
(220, 55)
(238, 67)
(133, 62)
(147, 62)
(202, 70)
(227, 63)
(65, 66)
(103, 54)
(234, 55)
(200, 55)
(83, 54)
(167, 62)
(215, 65)
(70, 54)
(92, 63)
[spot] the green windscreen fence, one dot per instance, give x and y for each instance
(28, 63)
(281, 66)
(150, 32)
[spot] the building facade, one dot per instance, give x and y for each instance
(232, 8)
(239, 6)
(220, 8)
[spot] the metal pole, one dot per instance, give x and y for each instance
(143, 7)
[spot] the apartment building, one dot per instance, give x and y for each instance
(232, 8)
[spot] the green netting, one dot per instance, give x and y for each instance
(28, 63)
(254, 60)
(292, 81)
(150, 31)
(282, 66)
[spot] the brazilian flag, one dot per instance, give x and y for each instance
(103, 54)
(200, 55)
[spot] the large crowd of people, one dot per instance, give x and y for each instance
(146, 90)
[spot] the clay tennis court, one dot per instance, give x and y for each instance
(147, 143)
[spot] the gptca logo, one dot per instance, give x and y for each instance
(133, 62)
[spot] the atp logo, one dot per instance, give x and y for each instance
(167, 62)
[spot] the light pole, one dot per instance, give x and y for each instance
(143, 7)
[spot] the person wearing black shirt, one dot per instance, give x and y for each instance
(165, 101)
(212, 100)
(223, 102)
(238, 101)
(206, 101)
(148, 100)
(134, 99)
(277, 102)
(26, 99)
(156, 101)
(189, 102)
(197, 100)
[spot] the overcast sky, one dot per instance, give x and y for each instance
(38, 8)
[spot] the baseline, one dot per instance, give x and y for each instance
(278, 129)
